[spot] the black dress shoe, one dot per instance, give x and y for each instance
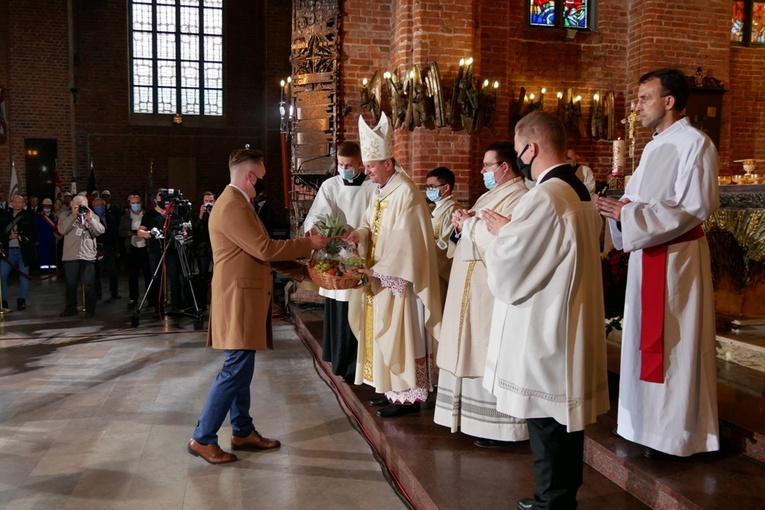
(379, 402)
(525, 504)
(21, 304)
(392, 410)
(489, 443)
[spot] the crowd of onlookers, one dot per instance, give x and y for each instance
(87, 238)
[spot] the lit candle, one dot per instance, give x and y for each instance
(281, 92)
(617, 166)
(485, 83)
(364, 82)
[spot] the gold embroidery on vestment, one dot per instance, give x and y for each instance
(369, 299)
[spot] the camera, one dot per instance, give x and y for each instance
(181, 207)
(209, 207)
(82, 209)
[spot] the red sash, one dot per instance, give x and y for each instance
(652, 300)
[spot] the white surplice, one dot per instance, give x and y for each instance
(547, 351)
(674, 189)
(462, 402)
(441, 218)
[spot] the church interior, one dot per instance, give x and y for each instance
(95, 414)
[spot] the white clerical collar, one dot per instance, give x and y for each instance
(677, 125)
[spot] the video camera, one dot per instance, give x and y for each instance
(181, 208)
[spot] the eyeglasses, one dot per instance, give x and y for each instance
(489, 165)
(435, 187)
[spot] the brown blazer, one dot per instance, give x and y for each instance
(240, 310)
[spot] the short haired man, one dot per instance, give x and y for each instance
(462, 403)
(240, 309)
(397, 318)
(668, 377)
(80, 229)
(439, 186)
(347, 194)
(546, 360)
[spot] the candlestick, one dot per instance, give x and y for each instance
(617, 166)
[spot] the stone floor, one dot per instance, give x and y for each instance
(95, 414)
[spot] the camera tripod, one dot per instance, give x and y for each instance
(181, 244)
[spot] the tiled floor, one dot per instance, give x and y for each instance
(95, 414)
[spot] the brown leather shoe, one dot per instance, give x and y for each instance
(212, 453)
(253, 442)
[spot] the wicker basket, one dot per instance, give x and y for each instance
(332, 282)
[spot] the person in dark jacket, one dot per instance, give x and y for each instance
(18, 236)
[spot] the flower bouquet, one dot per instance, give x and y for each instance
(614, 268)
(332, 268)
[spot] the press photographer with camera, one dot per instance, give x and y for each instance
(157, 229)
(18, 236)
(80, 227)
(203, 249)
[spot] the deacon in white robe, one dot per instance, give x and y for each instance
(673, 190)
(546, 360)
(462, 402)
(398, 317)
(347, 194)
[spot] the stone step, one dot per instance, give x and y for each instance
(437, 469)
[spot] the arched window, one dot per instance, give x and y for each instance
(176, 54)
(570, 14)
(748, 24)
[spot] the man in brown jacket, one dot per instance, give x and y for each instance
(240, 312)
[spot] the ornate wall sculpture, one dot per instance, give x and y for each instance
(313, 108)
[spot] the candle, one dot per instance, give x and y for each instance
(617, 166)
(281, 92)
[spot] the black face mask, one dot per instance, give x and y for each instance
(525, 168)
(161, 204)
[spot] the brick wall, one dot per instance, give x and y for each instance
(99, 125)
(36, 61)
(747, 100)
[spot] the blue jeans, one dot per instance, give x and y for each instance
(230, 394)
(14, 255)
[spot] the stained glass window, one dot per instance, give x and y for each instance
(574, 14)
(748, 22)
(758, 22)
(177, 56)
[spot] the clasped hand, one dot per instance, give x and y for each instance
(611, 208)
(459, 216)
(494, 221)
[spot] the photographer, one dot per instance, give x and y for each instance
(80, 227)
(18, 237)
(203, 249)
(157, 219)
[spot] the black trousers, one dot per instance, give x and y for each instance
(339, 346)
(558, 463)
(80, 271)
(137, 264)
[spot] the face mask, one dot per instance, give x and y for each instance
(346, 173)
(432, 194)
(99, 210)
(135, 207)
(525, 168)
(161, 204)
(46, 210)
(488, 181)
